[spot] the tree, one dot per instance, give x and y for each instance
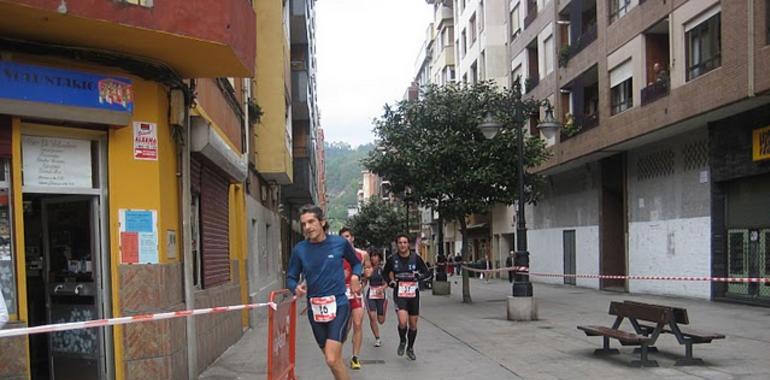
(432, 145)
(377, 223)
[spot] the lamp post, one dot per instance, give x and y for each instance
(522, 288)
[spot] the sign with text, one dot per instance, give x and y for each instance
(761, 144)
(138, 236)
(56, 162)
(145, 141)
(65, 87)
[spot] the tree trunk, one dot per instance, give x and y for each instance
(464, 250)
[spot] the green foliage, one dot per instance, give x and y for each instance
(433, 146)
(343, 176)
(377, 223)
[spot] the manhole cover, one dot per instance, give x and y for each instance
(372, 361)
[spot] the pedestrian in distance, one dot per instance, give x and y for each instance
(320, 259)
(356, 299)
(405, 270)
(376, 300)
(3, 311)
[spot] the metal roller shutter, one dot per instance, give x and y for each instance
(214, 208)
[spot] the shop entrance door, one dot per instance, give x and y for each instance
(65, 283)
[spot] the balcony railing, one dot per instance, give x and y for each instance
(655, 91)
(583, 123)
(583, 41)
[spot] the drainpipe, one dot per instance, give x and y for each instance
(246, 95)
(189, 285)
(751, 47)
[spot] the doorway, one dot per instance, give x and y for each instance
(63, 241)
(570, 257)
(612, 223)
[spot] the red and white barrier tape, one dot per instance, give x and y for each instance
(626, 277)
(128, 320)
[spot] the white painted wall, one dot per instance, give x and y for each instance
(678, 247)
(491, 39)
(546, 253)
(264, 258)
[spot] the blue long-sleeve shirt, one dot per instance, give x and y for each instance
(321, 263)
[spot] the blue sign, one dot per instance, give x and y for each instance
(65, 87)
(139, 221)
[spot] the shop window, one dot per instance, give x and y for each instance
(622, 96)
(704, 48)
(7, 271)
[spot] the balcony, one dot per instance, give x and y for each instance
(531, 13)
(655, 91)
(300, 94)
(531, 83)
(299, 22)
(197, 38)
(585, 39)
(303, 189)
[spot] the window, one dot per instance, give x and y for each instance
(622, 96)
(515, 25)
(483, 65)
(463, 43)
(618, 9)
(7, 262)
(474, 72)
(621, 87)
(548, 54)
(704, 49)
(472, 28)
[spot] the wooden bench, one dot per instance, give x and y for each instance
(660, 317)
(686, 337)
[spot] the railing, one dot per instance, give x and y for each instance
(655, 91)
(583, 41)
(584, 122)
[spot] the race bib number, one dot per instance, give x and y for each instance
(407, 289)
(324, 308)
(348, 292)
(377, 292)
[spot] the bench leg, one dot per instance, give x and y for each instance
(644, 362)
(688, 359)
(606, 350)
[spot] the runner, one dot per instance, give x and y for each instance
(356, 300)
(405, 270)
(319, 258)
(376, 301)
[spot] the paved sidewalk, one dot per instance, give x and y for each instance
(475, 340)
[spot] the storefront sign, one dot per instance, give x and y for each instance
(65, 87)
(145, 141)
(138, 236)
(56, 162)
(761, 144)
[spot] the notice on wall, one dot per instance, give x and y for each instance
(171, 244)
(56, 162)
(138, 236)
(145, 141)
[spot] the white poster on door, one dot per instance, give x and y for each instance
(56, 162)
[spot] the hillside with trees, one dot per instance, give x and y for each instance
(343, 178)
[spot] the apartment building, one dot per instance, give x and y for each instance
(480, 41)
(662, 164)
(124, 155)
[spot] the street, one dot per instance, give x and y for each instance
(475, 340)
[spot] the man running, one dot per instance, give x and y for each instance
(376, 301)
(319, 258)
(405, 270)
(355, 299)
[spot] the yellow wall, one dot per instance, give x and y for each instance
(238, 242)
(274, 160)
(137, 184)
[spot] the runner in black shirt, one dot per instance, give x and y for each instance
(405, 270)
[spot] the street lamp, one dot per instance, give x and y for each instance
(522, 288)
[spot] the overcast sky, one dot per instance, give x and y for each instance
(366, 52)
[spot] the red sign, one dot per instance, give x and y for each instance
(281, 338)
(129, 247)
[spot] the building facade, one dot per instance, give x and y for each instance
(480, 41)
(662, 157)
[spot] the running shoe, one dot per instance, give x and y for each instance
(354, 363)
(410, 354)
(401, 348)
(377, 342)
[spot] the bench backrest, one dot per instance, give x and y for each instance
(680, 314)
(642, 312)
